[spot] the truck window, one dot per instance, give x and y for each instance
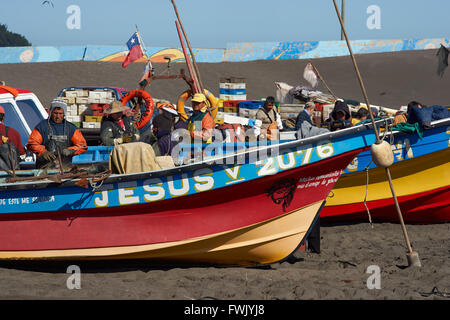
(13, 120)
(30, 112)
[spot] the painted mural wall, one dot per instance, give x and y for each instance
(234, 52)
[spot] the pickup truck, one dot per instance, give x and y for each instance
(85, 106)
(23, 111)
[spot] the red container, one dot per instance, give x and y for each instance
(231, 103)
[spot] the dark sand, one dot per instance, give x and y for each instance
(347, 250)
(391, 79)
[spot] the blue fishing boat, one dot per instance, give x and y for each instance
(420, 173)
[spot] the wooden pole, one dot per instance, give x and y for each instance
(323, 81)
(343, 18)
(188, 61)
(197, 72)
(412, 256)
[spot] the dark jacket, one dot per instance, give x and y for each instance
(302, 116)
(50, 136)
(111, 130)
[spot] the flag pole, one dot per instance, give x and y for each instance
(145, 49)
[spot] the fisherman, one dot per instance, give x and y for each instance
(361, 115)
(305, 115)
(117, 128)
(201, 123)
(56, 137)
(163, 125)
(304, 125)
(340, 117)
(9, 136)
(271, 120)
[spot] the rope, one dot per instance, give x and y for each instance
(367, 191)
(97, 180)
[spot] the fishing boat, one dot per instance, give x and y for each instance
(254, 206)
(421, 177)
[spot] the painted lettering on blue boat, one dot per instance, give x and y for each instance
(155, 189)
(14, 201)
(233, 174)
(290, 160)
(43, 199)
(402, 149)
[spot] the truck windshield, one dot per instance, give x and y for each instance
(13, 120)
(30, 112)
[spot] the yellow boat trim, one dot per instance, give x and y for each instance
(262, 243)
(409, 177)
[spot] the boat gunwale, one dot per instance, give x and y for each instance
(226, 158)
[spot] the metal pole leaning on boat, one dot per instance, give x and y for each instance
(194, 63)
(323, 81)
(381, 151)
(188, 61)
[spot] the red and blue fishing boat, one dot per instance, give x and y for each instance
(420, 174)
(255, 206)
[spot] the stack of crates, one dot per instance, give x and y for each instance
(232, 88)
(85, 107)
(231, 107)
(290, 110)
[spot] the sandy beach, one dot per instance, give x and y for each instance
(341, 271)
(350, 253)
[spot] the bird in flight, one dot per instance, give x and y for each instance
(48, 2)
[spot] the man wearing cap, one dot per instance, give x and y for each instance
(116, 128)
(54, 136)
(9, 135)
(201, 123)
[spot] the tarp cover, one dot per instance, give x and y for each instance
(136, 157)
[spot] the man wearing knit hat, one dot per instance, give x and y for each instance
(202, 119)
(9, 135)
(56, 135)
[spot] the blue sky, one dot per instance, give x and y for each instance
(214, 23)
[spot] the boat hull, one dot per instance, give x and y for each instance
(254, 222)
(421, 185)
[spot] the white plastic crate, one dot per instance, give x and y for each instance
(73, 118)
(82, 93)
(71, 94)
(248, 113)
(233, 97)
(99, 94)
(91, 125)
(82, 100)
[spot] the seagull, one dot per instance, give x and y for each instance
(48, 2)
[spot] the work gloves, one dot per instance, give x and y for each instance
(68, 152)
(48, 156)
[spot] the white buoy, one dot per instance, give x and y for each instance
(382, 154)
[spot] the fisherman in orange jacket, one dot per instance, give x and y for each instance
(56, 135)
(202, 118)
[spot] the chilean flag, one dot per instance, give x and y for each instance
(135, 50)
